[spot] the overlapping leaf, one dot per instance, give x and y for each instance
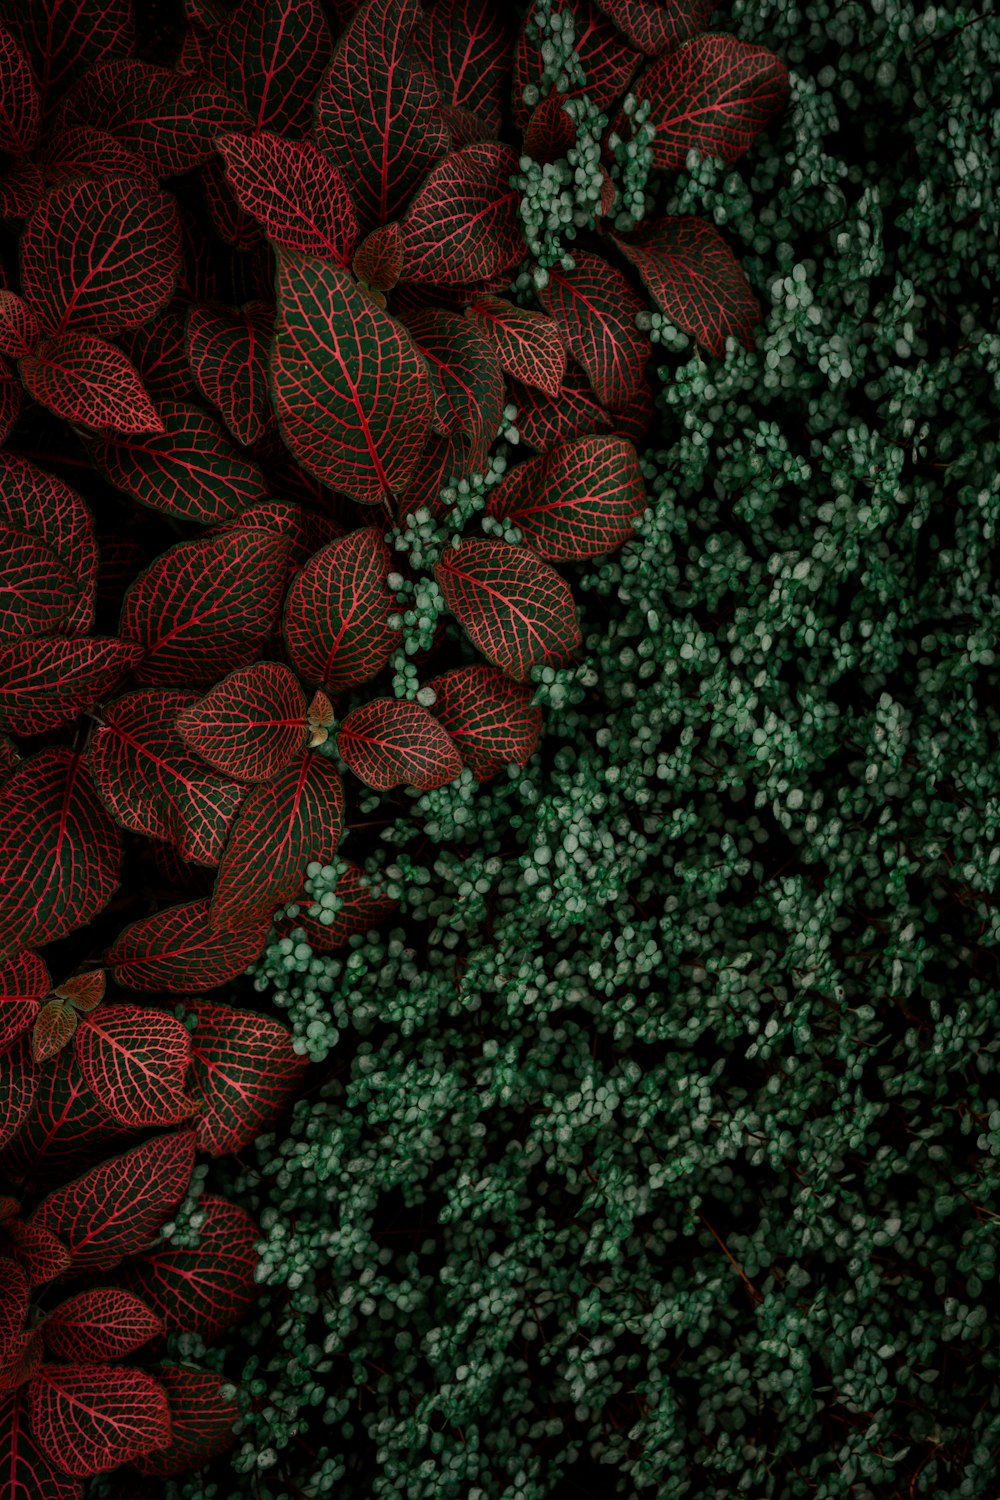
(490, 719)
(27, 1471)
(151, 783)
(135, 1060)
(251, 725)
(82, 150)
(64, 1130)
(350, 389)
(301, 199)
(91, 1418)
(577, 501)
(31, 500)
(205, 607)
(607, 60)
(90, 383)
(462, 225)
(201, 1421)
(390, 742)
(276, 54)
(104, 1323)
(99, 255)
(39, 1254)
(20, 190)
(596, 308)
(695, 280)
(378, 260)
(116, 1208)
(714, 94)
(18, 1078)
(376, 111)
(466, 378)
(54, 1027)
(64, 39)
(513, 607)
(283, 518)
(227, 351)
(191, 469)
(38, 593)
(656, 25)
(19, 110)
(13, 1305)
(208, 1289)
(284, 824)
(47, 682)
(230, 219)
(59, 851)
(336, 618)
(24, 980)
(244, 1071)
(158, 352)
(19, 330)
(466, 46)
(178, 952)
(358, 910)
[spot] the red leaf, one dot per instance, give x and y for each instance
(230, 221)
(597, 309)
(513, 607)
(24, 980)
(227, 351)
(38, 593)
(89, 383)
(31, 500)
(695, 280)
(350, 389)
(577, 501)
(544, 421)
(251, 725)
(359, 910)
(491, 720)
(101, 1324)
(655, 25)
(19, 330)
(605, 57)
(300, 198)
(389, 742)
(158, 353)
(85, 990)
(714, 94)
(151, 783)
(39, 1254)
(59, 851)
(98, 255)
(177, 951)
(276, 54)
(115, 1209)
(171, 119)
(13, 1306)
(465, 378)
(462, 225)
(203, 608)
(47, 682)
(54, 1026)
(65, 1127)
(336, 620)
(201, 1422)
(208, 1289)
(94, 153)
(91, 1418)
(135, 1060)
(466, 46)
(244, 1072)
(190, 469)
(18, 1081)
(550, 132)
(283, 518)
(19, 112)
(284, 825)
(26, 1469)
(378, 260)
(20, 190)
(24, 1361)
(444, 460)
(64, 39)
(375, 110)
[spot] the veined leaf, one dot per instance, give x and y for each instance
(39, 1254)
(551, 130)
(38, 593)
(545, 421)
(99, 255)
(47, 682)
(513, 607)
(115, 1209)
(466, 378)
(462, 225)
(135, 1059)
(90, 383)
(18, 1081)
(201, 1422)
(227, 351)
(13, 1305)
(20, 190)
(695, 280)
(59, 851)
(596, 308)
(251, 725)
(190, 469)
(24, 981)
(577, 501)
(63, 39)
(284, 825)
(358, 911)
(208, 1289)
(243, 1073)
(491, 720)
(289, 187)
(158, 353)
(656, 25)
(350, 389)
(276, 54)
(714, 94)
(82, 151)
(54, 1026)
(91, 1418)
(104, 1323)
(466, 47)
(84, 990)
(607, 60)
(203, 608)
(375, 110)
(336, 619)
(178, 952)
(151, 783)
(390, 742)
(282, 518)
(230, 219)
(378, 260)
(64, 1130)
(443, 460)
(19, 330)
(27, 1470)
(19, 110)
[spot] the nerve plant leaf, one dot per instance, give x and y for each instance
(177, 951)
(276, 53)
(301, 199)
(29, 1474)
(244, 1070)
(579, 500)
(490, 719)
(24, 981)
(91, 1418)
(104, 1323)
(251, 725)
(207, 1289)
(90, 383)
(336, 619)
(227, 351)
(390, 742)
(135, 1059)
(202, 1421)
(596, 309)
(695, 280)
(462, 225)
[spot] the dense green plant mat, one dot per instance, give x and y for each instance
(657, 1152)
